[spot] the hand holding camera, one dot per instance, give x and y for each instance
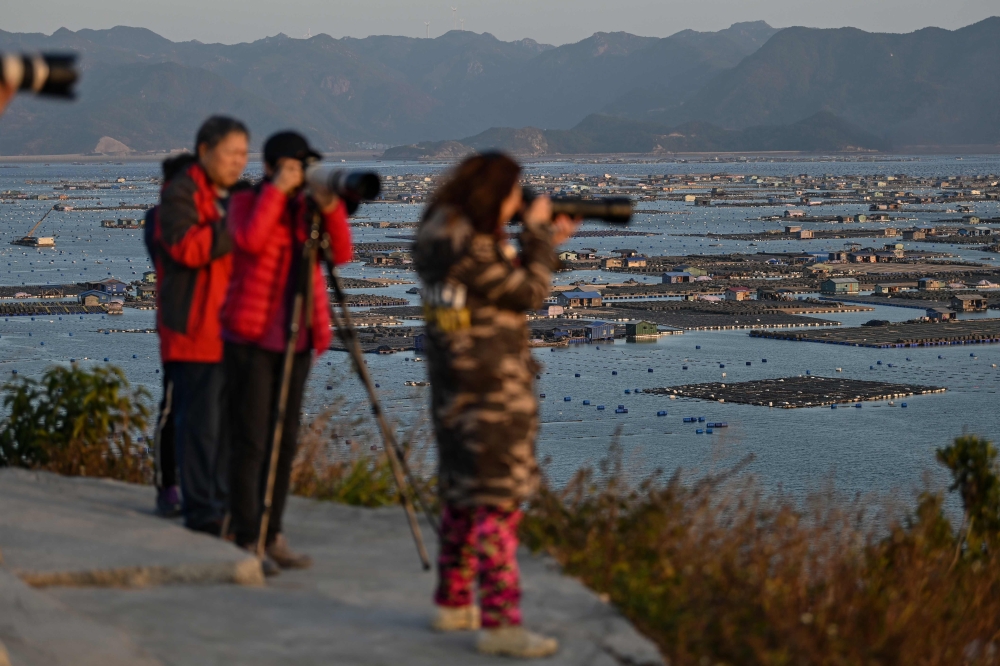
(289, 176)
(539, 211)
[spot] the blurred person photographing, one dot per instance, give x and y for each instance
(270, 226)
(187, 238)
(477, 288)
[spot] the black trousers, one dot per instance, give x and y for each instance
(164, 449)
(254, 379)
(202, 441)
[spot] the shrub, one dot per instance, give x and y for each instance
(76, 422)
(718, 572)
(976, 476)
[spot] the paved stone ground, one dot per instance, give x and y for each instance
(365, 601)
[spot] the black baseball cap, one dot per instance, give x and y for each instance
(289, 144)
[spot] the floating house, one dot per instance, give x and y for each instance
(840, 286)
(641, 329)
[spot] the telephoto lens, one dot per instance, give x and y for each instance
(51, 74)
(612, 210)
(351, 186)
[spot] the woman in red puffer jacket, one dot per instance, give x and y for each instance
(269, 226)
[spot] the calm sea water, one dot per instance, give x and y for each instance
(877, 448)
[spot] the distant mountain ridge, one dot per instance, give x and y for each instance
(747, 86)
(931, 86)
(822, 132)
(346, 91)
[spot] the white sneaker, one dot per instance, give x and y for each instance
(516, 642)
(460, 618)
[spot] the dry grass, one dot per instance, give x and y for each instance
(335, 461)
(717, 572)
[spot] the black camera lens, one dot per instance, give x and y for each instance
(51, 74)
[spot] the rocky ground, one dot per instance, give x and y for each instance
(113, 585)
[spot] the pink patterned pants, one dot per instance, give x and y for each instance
(480, 542)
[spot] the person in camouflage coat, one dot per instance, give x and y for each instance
(476, 290)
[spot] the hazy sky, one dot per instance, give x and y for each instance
(551, 21)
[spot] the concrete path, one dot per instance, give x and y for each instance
(365, 601)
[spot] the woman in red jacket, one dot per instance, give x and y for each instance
(269, 226)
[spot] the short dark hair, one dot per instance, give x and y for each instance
(477, 188)
(217, 128)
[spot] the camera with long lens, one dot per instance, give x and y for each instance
(50, 74)
(351, 186)
(611, 210)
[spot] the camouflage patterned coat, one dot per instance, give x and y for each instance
(476, 290)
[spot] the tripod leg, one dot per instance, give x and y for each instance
(397, 461)
(302, 302)
(347, 330)
(388, 438)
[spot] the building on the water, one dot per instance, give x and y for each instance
(641, 329)
(968, 303)
(577, 298)
(840, 286)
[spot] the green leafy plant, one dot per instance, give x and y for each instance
(76, 422)
(976, 476)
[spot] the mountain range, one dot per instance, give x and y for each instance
(749, 87)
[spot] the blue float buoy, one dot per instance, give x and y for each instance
(42, 343)
(833, 406)
(649, 369)
(748, 362)
(699, 431)
(586, 402)
(871, 367)
(684, 367)
(878, 362)
(72, 360)
(858, 405)
(939, 356)
(662, 412)
(903, 405)
(708, 431)
(541, 395)
(134, 356)
(763, 360)
(329, 387)
(600, 407)
(701, 419)
(614, 372)
(722, 365)
(378, 386)
(697, 346)
(577, 374)
(627, 392)
(808, 372)
(13, 372)
(567, 399)
(106, 359)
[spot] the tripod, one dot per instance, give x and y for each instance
(317, 241)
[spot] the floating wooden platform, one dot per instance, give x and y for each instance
(908, 334)
(705, 319)
(46, 309)
(795, 392)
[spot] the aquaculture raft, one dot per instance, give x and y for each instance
(908, 334)
(794, 392)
